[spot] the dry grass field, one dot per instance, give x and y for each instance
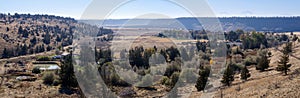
(269, 84)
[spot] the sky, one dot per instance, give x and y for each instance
(151, 8)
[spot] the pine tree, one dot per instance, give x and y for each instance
(7, 29)
(47, 38)
(33, 40)
(203, 78)
(20, 30)
(228, 75)
(37, 49)
(283, 64)
(23, 50)
(164, 54)
(5, 53)
(67, 73)
(288, 48)
(263, 61)
(201, 46)
(245, 73)
(42, 48)
(172, 53)
(49, 48)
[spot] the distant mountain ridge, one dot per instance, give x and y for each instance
(271, 24)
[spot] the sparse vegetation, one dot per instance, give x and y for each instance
(22, 37)
(48, 78)
(36, 70)
(44, 58)
(254, 40)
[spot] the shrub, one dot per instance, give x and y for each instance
(174, 78)
(236, 50)
(56, 82)
(174, 67)
(114, 79)
(43, 58)
(250, 60)
(36, 70)
(48, 78)
(237, 67)
(164, 80)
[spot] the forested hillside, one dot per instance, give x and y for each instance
(22, 34)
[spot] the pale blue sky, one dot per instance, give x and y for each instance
(227, 8)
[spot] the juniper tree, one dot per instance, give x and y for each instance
(263, 61)
(283, 64)
(287, 49)
(67, 74)
(203, 78)
(228, 75)
(245, 73)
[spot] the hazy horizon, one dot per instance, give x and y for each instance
(229, 8)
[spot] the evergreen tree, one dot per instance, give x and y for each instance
(147, 54)
(42, 48)
(263, 61)
(164, 54)
(37, 49)
(47, 38)
(58, 39)
(203, 78)
(295, 38)
(67, 76)
(23, 50)
(201, 46)
(136, 57)
(283, 64)
(7, 29)
(25, 34)
(20, 30)
(228, 75)
(245, 73)
(33, 40)
(5, 53)
(49, 48)
(288, 48)
(172, 53)
(18, 50)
